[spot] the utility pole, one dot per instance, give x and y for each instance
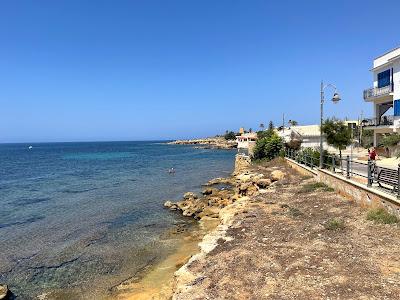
(361, 127)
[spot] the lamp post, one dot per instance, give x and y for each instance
(335, 99)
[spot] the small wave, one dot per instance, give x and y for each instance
(29, 201)
(71, 191)
(27, 221)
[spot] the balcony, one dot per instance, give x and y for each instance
(382, 121)
(377, 92)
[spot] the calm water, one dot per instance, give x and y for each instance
(86, 216)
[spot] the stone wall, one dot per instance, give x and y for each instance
(242, 162)
(358, 192)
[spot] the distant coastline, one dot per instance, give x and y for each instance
(207, 143)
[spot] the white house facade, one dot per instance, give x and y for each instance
(246, 140)
(309, 135)
(384, 95)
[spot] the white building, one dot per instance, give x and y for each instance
(246, 140)
(309, 135)
(384, 95)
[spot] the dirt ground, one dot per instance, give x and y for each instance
(284, 246)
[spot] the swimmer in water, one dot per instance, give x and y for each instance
(171, 171)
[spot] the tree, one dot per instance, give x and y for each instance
(293, 123)
(230, 135)
(264, 134)
(337, 134)
(262, 126)
(268, 147)
(271, 125)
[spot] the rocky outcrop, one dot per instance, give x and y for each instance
(218, 180)
(206, 205)
(4, 292)
(208, 143)
(212, 200)
(244, 184)
(220, 204)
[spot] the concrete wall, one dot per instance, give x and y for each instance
(358, 192)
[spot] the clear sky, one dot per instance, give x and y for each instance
(139, 70)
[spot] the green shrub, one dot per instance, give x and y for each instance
(264, 134)
(334, 224)
(306, 153)
(268, 148)
(313, 186)
(380, 215)
(391, 140)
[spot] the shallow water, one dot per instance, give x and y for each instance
(86, 216)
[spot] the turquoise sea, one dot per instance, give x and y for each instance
(86, 216)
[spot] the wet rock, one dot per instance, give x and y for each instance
(217, 180)
(171, 205)
(4, 292)
(277, 175)
(168, 204)
(208, 191)
(189, 195)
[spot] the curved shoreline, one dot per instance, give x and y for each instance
(208, 143)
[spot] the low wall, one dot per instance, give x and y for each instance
(242, 162)
(358, 192)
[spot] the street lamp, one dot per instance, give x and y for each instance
(335, 99)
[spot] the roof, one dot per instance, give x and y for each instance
(248, 135)
(307, 130)
(386, 59)
(387, 52)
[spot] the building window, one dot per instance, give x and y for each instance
(384, 78)
(397, 107)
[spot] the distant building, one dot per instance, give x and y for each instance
(384, 95)
(309, 135)
(241, 130)
(246, 140)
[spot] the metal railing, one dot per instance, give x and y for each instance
(382, 121)
(377, 92)
(350, 168)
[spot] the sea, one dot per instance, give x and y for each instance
(83, 217)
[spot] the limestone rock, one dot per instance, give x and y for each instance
(4, 292)
(217, 181)
(189, 195)
(168, 204)
(277, 175)
(263, 183)
(210, 211)
(208, 191)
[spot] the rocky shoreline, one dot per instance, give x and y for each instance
(208, 143)
(285, 236)
(219, 204)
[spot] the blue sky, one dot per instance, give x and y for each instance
(139, 70)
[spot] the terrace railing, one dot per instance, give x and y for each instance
(382, 121)
(386, 179)
(377, 92)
